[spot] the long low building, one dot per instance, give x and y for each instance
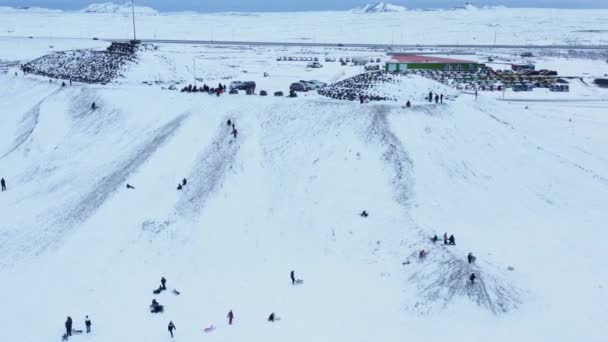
(414, 62)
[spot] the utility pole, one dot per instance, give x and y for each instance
(133, 11)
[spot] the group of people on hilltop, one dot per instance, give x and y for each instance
(221, 88)
(438, 97)
(450, 241)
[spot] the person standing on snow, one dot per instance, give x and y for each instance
(272, 317)
(430, 96)
(163, 283)
(171, 327)
(3, 183)
(293, 277)
(452, 240)
(230, 317)
(234, 132)
(87, 324)
(445, 238)
(472, 278)
(470, 258)
(441, 98)
(68, 326)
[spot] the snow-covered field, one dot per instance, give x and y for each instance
(461, 26)
(521, 184)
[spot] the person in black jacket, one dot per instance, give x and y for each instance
(472, 278)
(452, 240)
(68, 326)
(163, 283)
(293, 277)
(471, 258)
(171, 327)
(87, 323)
(3, 182)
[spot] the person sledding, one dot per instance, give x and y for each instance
(273, 318)
(155, 307)
(434, 238)
(422, 254)
(452, 240)
(472, 278)
(93, 106)
(471, 258)
(364, 214)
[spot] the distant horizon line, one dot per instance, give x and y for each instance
(413, 9)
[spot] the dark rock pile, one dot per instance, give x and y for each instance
(353, 88)
(88, 66)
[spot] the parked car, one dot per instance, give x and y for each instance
(297, 86)
(238, 85)
(314, 65)
(313, 84)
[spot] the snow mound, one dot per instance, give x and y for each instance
(88, 66)
(379, 7)
(110, 7)
(382, 86)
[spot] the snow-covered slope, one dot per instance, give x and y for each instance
(523, 189)
(110, 7)
(379, 7)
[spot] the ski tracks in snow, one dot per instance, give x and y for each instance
(36, 240)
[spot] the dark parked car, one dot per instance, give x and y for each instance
(297, 86)
(242, 85)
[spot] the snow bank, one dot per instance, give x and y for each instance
(382, 86)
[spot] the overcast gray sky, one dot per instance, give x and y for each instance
(301, 5)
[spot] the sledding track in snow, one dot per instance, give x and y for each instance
(442, 276)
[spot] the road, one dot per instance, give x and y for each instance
(365, 45)
(354, 45)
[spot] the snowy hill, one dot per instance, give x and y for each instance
(379, 7)
(110, 7)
